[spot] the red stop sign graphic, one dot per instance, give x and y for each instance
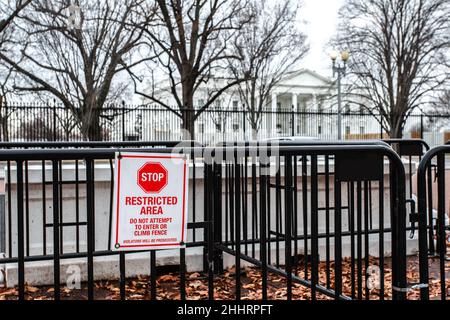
(152, 177)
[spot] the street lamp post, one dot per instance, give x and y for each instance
(339, 69)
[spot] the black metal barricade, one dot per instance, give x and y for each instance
(37, 159)
(434, 211)
(317, 215)
(411, 151)
(324, 196)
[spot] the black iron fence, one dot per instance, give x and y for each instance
(52, 122)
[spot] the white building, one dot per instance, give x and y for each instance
(302, 104)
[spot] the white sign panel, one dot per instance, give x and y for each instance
(150, 201)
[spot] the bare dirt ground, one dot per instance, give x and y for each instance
(168, 286)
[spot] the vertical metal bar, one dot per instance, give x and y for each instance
(278, 213)
(327, 222)
(429, 188)
(90, 202)
(337, 239)
(370, 207)
(305, 211)
(441, 223)
(314, 229)
(215, 261)
(206, 210)
(77, 207)
(122, 276)
(27, 210)
(254, 207)
(232, 206)
(153, 275)
(359, 238)
(54, 121)
(288, 223)
(237, 199)
(398, 222)
(20, 231)
(227, 204)
(56, 239)
(183, 272)
(10, 240)
(215, 227)
(111, 201)
(366, 234)
(352, 237)
(61, 220)
(410, 178)
(245, 204)
(295, 212)
(123, 121)
(44, 211)
(263, 227)
(381, 235)
(268, 218)
(421, 127)
(194, 193)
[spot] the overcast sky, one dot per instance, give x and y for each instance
(319, 20)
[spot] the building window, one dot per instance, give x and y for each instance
(320, 106)
(235, 105)
(347, 109)
(362, 110)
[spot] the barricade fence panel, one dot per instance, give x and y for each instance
(305, 190)
(328, 219)
(433, 217)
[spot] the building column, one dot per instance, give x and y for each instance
(316, 106)
(274, 114)
(295, 110)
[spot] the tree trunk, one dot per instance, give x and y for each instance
(188, 113)
(90, 126)
(4, 119)
(188, 125)
(254, 131)
(396, 128)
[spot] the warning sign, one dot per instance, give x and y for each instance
(150, 201)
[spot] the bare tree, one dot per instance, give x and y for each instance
(5, 111)
(398, 50)
(75, 54)
(191, 40)
(441, 104)
(11, 9)
(268, 48)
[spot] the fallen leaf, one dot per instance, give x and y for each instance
(196, 284)
(167, 278)
(31, 289)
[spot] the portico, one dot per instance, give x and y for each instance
(300, 91)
